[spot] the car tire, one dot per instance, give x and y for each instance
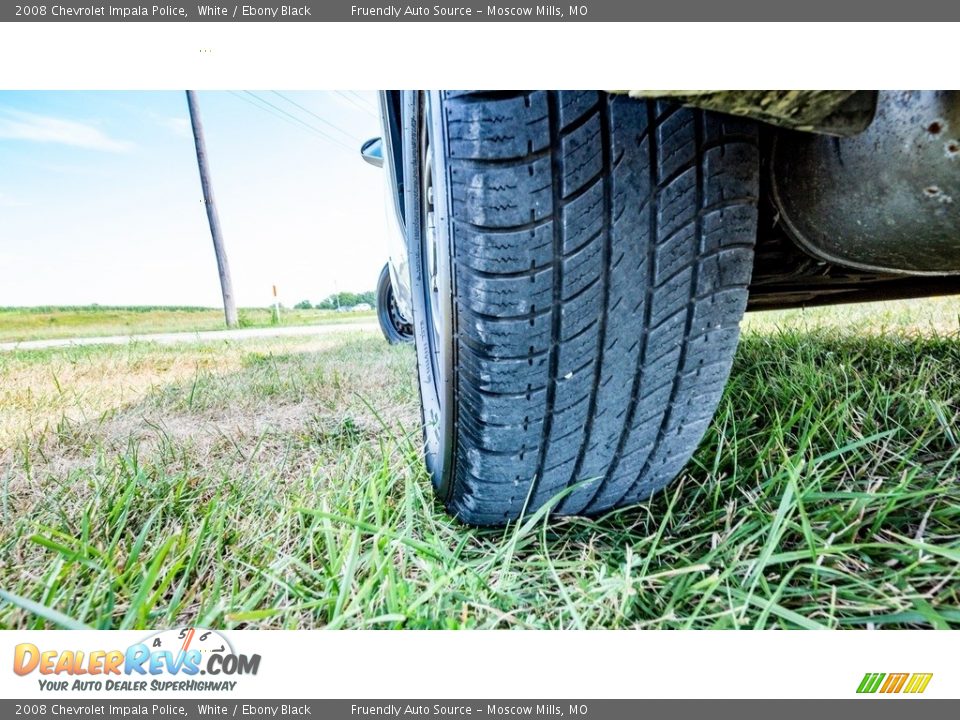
(395, 329)
(580, 264)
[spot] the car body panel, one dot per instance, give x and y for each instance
(393, 194)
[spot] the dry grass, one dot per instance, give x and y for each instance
(278, 484)
(18, 324)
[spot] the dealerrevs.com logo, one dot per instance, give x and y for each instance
(168, 660)
(889, 683)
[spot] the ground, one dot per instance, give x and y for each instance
(18, 324)
(278, 483)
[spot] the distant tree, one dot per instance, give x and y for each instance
(347, 299)
(303, 305)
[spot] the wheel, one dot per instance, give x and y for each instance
(395, 329)
(580, 264)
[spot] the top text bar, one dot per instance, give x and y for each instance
(479, 11)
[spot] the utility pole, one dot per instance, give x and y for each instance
(226, 284)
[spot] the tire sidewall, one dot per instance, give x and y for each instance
(435, 362)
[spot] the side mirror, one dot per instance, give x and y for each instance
(372, 151)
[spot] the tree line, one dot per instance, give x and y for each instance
(338, 300)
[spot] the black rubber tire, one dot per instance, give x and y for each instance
(599, 250)
(394, 330)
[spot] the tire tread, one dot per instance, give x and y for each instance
(602, 249)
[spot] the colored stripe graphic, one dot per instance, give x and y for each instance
(870, 682)
(894, 683)
(918, 682)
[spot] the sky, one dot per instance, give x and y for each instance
(100, 198)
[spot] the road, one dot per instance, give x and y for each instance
(204, 336)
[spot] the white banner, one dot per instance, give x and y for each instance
(373, 56)
(194, 662)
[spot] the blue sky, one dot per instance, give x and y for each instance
(100, 200)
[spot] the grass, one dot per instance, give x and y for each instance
(40, 323)
(912, 318)
(278, 484)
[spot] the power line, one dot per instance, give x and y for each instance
(264, 108)
(363, 100)
(257, 105)
(318, 117)
(302, 122)
(353, 102)
(268, 107)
